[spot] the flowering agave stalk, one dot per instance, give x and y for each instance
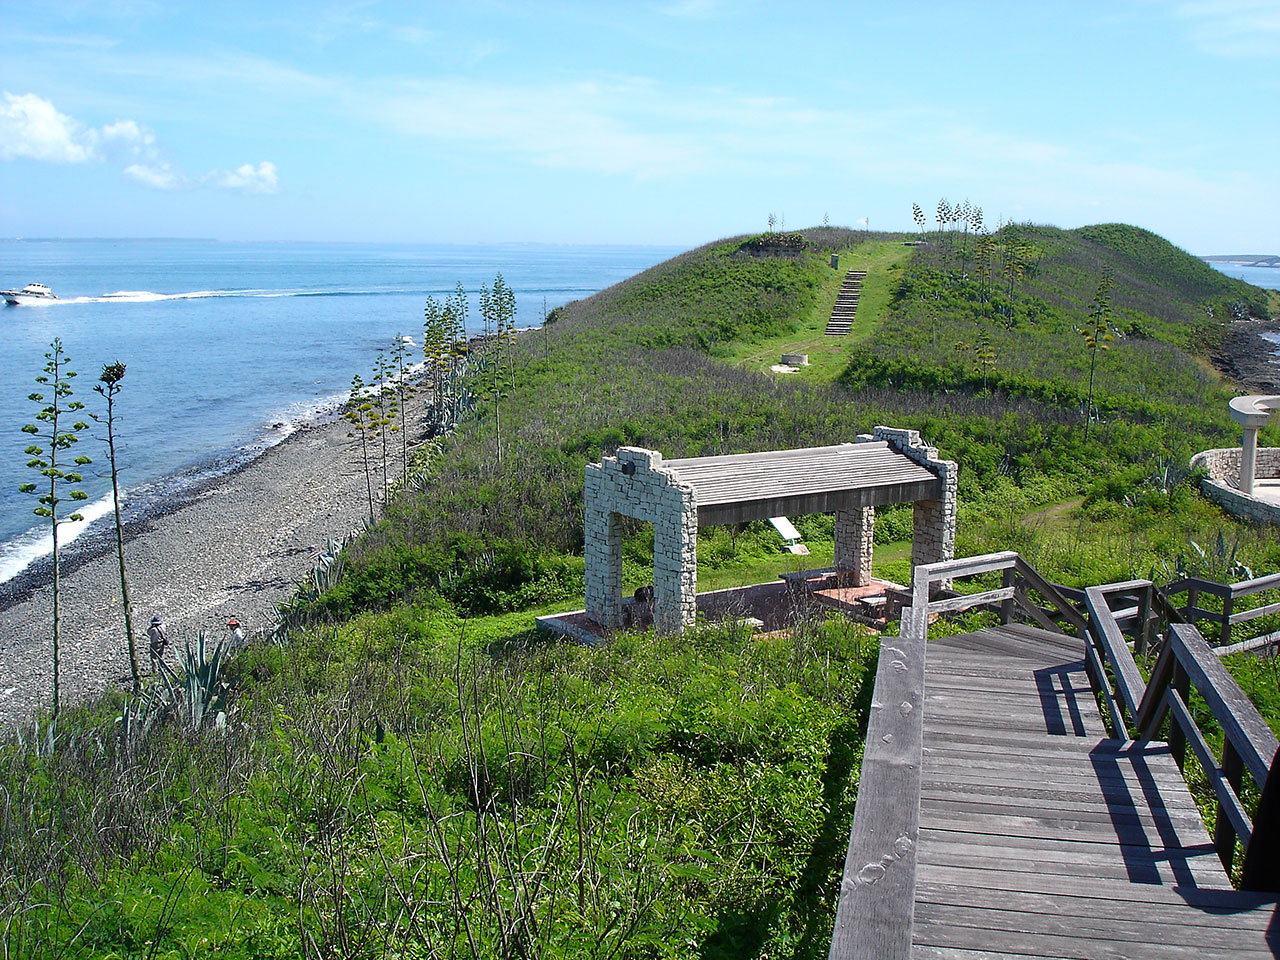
(49, 455)
(109, 386)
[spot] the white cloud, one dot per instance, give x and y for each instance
(158, 177)
(129, 132)
(249, 179)
(32, 127)
(1232, 28)
(576, 126)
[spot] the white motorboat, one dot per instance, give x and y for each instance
(31, 293)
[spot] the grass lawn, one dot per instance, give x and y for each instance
(883, 261)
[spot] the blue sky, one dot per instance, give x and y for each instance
(668, 122)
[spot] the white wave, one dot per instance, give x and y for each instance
(21, 552)
(148, 296)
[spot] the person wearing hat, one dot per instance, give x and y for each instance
(237, 632)
(158, 641)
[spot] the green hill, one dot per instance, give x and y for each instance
(418, 774)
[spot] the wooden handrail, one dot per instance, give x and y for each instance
(1248, 743)
(1106, 635)
(877, 895)
(1228, 593)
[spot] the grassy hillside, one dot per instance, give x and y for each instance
(418, 775)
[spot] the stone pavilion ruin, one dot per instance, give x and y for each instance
(851, 480)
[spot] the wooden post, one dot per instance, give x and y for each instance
(1142, 639)
(1262, 857)
(1224, 834)
(1006, 606)
(1228, 603)
(1181, 684)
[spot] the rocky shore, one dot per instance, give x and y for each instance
(1248, 358)
(234, 548)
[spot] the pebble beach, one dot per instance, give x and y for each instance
(233, 548)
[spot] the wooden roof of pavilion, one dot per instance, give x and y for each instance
(754, 486)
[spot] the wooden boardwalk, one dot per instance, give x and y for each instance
(1040, 836)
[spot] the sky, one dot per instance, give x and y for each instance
(665, 122)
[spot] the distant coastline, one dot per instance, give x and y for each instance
(1246, 259)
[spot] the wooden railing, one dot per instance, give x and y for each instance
(1228, 593)
(877, 897)
(1248, 745)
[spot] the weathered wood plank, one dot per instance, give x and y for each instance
(933, 933)
(873, 919)
(1042, 871)
(970, 600)
(1008, 915)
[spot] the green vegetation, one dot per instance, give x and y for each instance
(416, 774)
(416, 785)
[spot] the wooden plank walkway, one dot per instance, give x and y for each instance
(1040, 836)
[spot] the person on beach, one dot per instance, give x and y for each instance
(237, 632)
(159, 641)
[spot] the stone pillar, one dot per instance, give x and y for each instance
(854, 536)
(933, 532)
(603, 555)
(675, 565)
(1248, 456)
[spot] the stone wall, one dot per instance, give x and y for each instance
(1222, 482)
(1223, 465)
(933, 534)
(855, 540)
(634, 484)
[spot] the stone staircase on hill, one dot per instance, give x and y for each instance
(846, 306)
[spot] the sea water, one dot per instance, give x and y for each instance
(230, 346)
(1268, 277)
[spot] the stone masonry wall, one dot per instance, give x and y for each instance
(654, 495)
(933, 537)
(1222, 485)
(855, 540)
(1224, 465)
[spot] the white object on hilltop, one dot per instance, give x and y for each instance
(31, 293)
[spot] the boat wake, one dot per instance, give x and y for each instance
(150, 296)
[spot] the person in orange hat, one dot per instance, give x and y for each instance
(237, 632)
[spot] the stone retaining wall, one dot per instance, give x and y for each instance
(1222, 483)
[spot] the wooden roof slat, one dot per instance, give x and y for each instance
(812, 477)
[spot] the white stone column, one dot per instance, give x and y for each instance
(602, 553)
(1248, 457)
(675, 566)
(855, 539)
(933, 533)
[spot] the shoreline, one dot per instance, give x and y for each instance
(235, 545)
(99, 538)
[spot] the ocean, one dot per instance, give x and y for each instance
(229, 347)
(1259, 276)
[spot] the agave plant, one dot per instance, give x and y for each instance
(39, 740)
(203, 683)
(141, 713)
